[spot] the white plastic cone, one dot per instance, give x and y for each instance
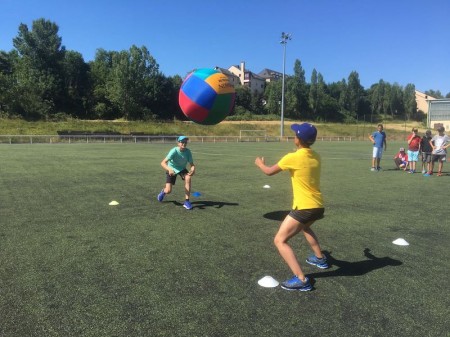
(266, 186)
(113, 203)
(268, 282)
(400, 242)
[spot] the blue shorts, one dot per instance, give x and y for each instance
(413, 155)
(377, 152)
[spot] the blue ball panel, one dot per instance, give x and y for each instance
(199, 91)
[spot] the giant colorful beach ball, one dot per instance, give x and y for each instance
(206, 96)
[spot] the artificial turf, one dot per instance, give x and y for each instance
(71, 265)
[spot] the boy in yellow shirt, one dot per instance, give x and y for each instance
(304, 166)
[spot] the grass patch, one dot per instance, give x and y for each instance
(396, 130)
(71, 265)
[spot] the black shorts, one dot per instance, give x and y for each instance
(439, 157)
(172, 179)
(307, 215)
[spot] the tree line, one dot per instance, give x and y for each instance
(41, 80)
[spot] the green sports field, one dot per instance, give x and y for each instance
(71, 265)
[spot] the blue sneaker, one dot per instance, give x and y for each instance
(315, 261)
(161, 196)
(296, 284)
(187, 205)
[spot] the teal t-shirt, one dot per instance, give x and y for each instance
(177, 160)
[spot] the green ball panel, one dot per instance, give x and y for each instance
(223, 104)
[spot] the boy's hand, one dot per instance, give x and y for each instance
(259, 161)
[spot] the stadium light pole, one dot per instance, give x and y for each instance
(285, 37)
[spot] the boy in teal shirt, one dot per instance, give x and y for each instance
(175, 165)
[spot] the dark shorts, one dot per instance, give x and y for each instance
(307, 215)
(438, 157)
(172, 179)
(426, 157)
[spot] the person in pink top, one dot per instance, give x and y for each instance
(401, 159)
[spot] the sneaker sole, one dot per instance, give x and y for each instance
(297, 289)
(317, 265)
(188, 208)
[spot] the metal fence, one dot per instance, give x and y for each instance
(119, 139)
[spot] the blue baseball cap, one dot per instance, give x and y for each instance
(306, 132)
(182, 138)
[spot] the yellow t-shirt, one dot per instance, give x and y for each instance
(304, 167)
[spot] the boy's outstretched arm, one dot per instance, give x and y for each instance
(268, 170)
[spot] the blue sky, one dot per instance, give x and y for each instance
(399, 41)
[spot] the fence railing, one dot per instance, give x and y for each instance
(118, 139)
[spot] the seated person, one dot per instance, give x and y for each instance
(401, 159)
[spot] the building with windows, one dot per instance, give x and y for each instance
(249, 79)
(438, 113)
(270, 75)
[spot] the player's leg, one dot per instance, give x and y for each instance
(440, 165)
(374, 158)
(429, 163)
(168, 188)
(317, 258)
(312, 240)
(187, 186)
(170, 180)
(288, 229)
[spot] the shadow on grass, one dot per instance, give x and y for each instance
(276, 215)
(357, 268)
(205, 204)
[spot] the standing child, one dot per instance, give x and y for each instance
(413, 150)
(378, 138)
(175, 165)
(304, 167)
(426, 149)
(439, 143)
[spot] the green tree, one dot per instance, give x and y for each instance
(409, 100)
(39, 72)
(133, 84)
(355, 94)
(243, 99)
(386, 98)
(396, 100)
(100, 70)
(313, 92)
(256, 104)
(297, 93)
(376, 96)
(6, 82)
(76, 84)
(273, 97)
(434, 93)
